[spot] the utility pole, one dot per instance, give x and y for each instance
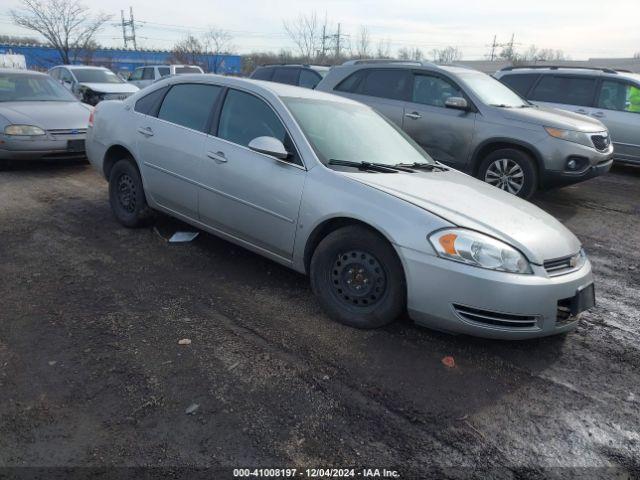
(493, 49)
(338, 50)
(126, 26)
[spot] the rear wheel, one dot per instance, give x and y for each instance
(511, 170)
(358, 278)
(126, 195)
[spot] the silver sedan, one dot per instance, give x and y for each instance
(330, 188)
(39, 119)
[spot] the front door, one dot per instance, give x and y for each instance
(446, 134)
(248, 195)
(171, 146)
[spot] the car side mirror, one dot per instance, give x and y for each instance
(269, 146)
(457, 103)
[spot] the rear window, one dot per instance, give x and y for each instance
(568, 90)
(286, 75)
(149, 103)
(308, 78)
(181, 70)
(189, 105)
(520, 84)
(164, 71)
(263, 73)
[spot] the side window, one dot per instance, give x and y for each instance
(351, 83)
(149, 103)
(65, 75)
(245, 117)
(286, 75)
(521, 84)
(620, 96)
(55, 73)
(147, 73)
(568, 90)
(434, 91)
(164, 71)
(308, 78)
(189, 105)
(263, 73)
(392, 84)
(137, 74)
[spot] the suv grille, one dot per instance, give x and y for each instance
(601, 142)
(495, 318)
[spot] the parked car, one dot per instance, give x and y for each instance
(613, 97)
(92, 84)
(330, 188)
(307, 76)
(145, 76)
(467, 119)
(39, 119)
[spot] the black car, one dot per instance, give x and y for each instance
(307, 76)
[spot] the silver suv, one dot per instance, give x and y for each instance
(611, 96)
(469, 120)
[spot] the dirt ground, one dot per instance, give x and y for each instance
(91, 372)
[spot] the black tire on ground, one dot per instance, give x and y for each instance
(509, 156)
(126, 195)
(358, 278)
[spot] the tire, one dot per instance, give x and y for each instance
(523, 182)
(358, 278)
(126, 195)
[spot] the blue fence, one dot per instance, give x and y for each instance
(43, 58)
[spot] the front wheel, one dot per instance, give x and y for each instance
(126, 195)
(510, 170)
(358, 278)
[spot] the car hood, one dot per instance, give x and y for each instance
(111, 87)
(551, 117)
(47, 115)
(470, 203)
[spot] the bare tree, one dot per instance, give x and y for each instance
(14, 40)
(413, 54)
(306, 33)
(189, 51)
(383, 49)
(363, 43)
(65, 24)
(218, 42)
(446, 55)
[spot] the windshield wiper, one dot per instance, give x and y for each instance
(500, 105)
(421, 165)
(379, 167)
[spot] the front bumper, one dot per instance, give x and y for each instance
(437, 290)
(37, 148)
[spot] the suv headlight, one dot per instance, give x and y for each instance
(24, 130)
(473, 248)
(570, 136)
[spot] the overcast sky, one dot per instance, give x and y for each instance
(582, 29)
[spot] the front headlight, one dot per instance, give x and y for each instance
(473, 248)
(570, 136)
(24, 130)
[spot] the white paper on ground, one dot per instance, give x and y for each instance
(180, 237)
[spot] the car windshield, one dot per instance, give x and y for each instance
(32, 88)
(181, 70)
(353, 132)
(96, 75)
(491, 91)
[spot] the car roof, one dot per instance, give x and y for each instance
(261, 86)
(354, 65)
(18, 71)
(573, 70)
(82, 67)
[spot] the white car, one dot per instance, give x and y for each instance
(145, 76)
(92, 84)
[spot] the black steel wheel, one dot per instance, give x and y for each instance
(126, 195)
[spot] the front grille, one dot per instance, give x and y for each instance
(601, 142)
(563, 265)
(67, 132)
(487, 317)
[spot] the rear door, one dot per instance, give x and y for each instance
(386, 90)
(445, 133)
(575, 93)
(170, 145)
(618, 107)
(248, 195)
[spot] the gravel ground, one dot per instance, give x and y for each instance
(92, 374)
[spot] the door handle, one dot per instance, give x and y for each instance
(217, 156)
(413, 115)
(598, 114)
(146, 131)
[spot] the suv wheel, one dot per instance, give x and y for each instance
(126, 195)
(358, 278)
(510, 170)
